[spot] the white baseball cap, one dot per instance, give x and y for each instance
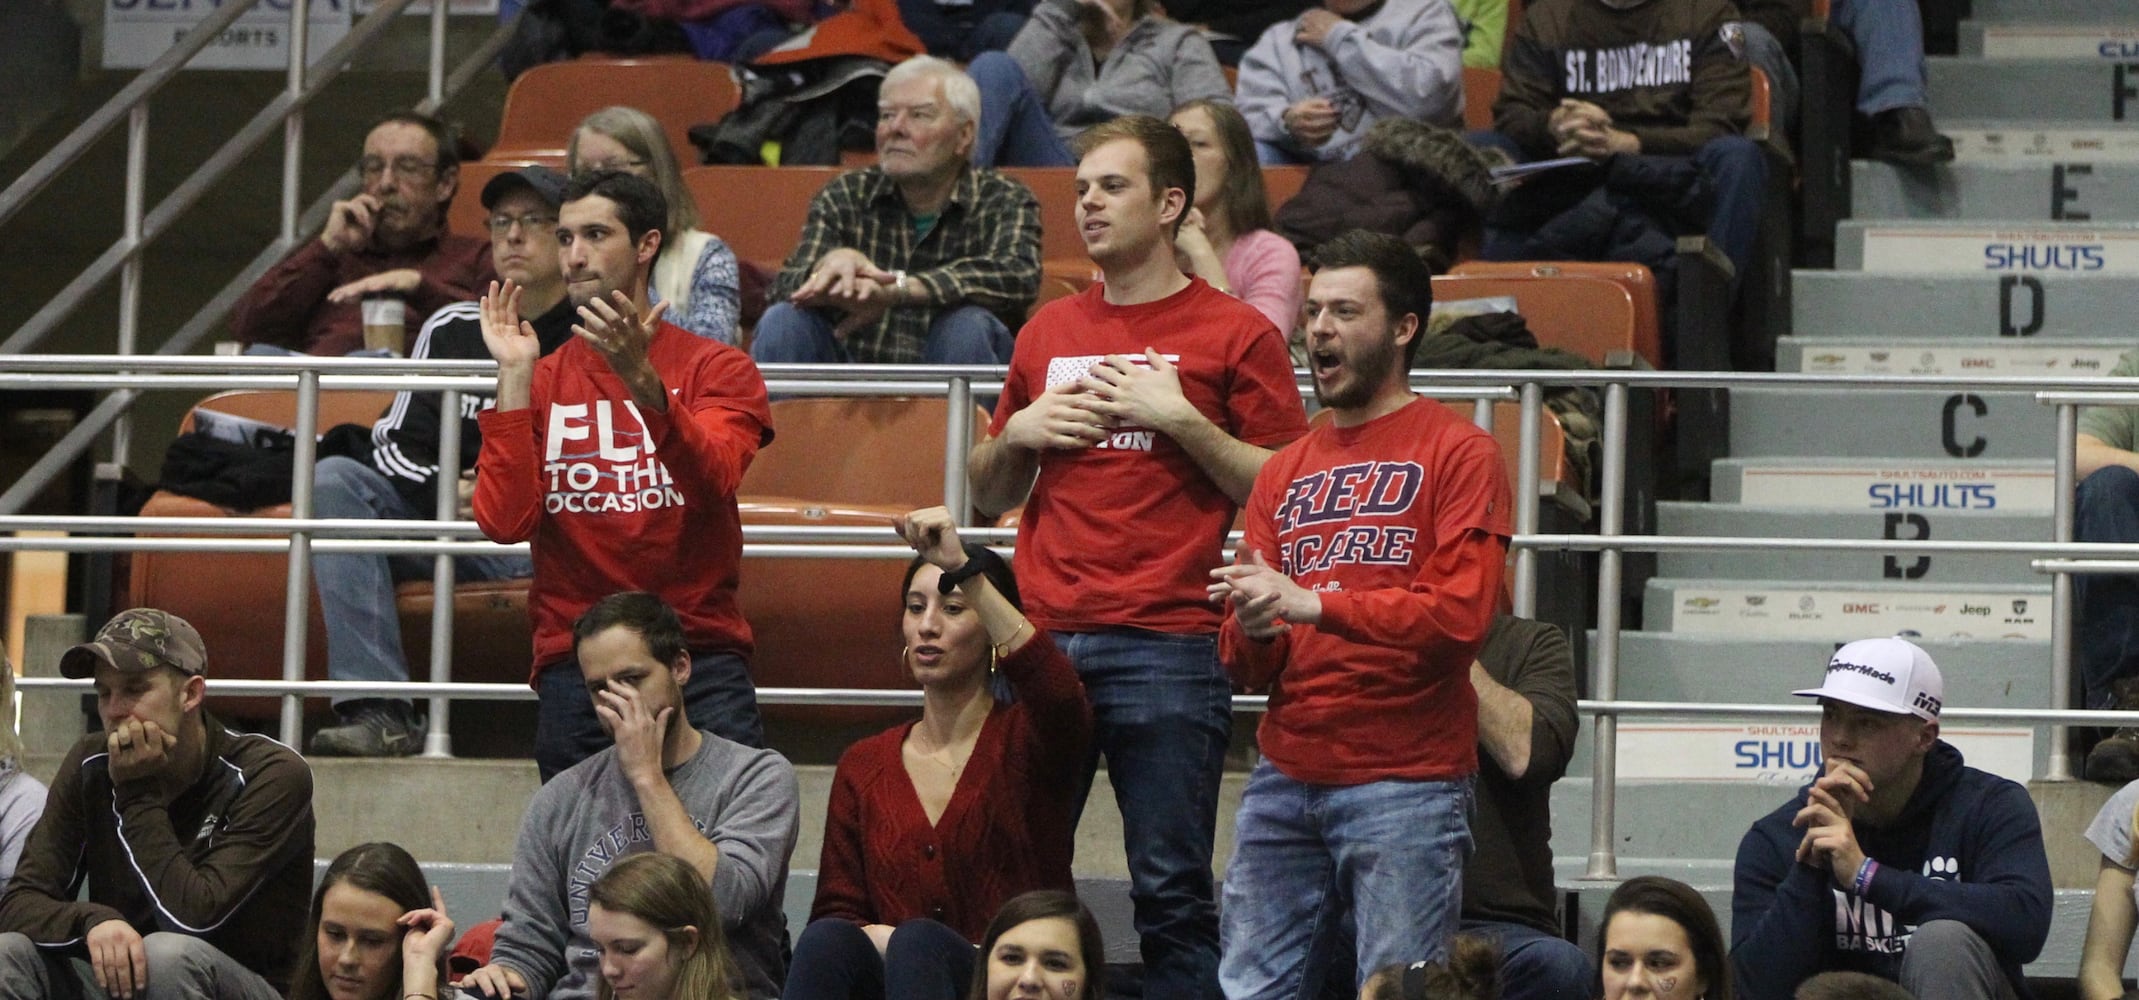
(1884, 675)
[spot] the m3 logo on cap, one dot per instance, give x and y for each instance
(1928, 703)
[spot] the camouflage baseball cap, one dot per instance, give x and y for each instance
(137, 640)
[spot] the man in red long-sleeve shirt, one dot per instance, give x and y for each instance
(618, 456)
(390, 238)
(1363, 591)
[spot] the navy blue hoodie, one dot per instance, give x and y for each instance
(1967, 847)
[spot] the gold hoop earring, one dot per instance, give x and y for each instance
(906, 658)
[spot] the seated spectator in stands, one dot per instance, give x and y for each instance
(22, 797)
(400, 482)
(1938, 867)
(1226, 239)
(174, 854)
(1857, 986)
(1485, 31)
(904, 893)
(1231, 25)
(1660, 941)
(696, 272)
(1471, 972)
(390, 239)
(961, 30)
(658, 932)
(378, 931)
(1042, 944)
(1082, 62)
(1311, 86)
(561, 466)
(2106, 624)
(1524, 677)
(727, 809)
(1892, 82)
(920, 258)
(2115, 917)
(1606, 78)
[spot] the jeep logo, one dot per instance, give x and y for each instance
(1975, 609)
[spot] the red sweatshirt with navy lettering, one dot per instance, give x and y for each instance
(617, 498)
(1401, 524)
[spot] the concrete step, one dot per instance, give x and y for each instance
(2016, 191)
(1866, 484)
(2102, 91)
(1835, 612)
(1892, 355)
(1888, 246)
(2117, 11)
(1741, 521)
(2096, 41)
(1883, 424)
(1974, 307)
(2038, 140)
(1668, 666)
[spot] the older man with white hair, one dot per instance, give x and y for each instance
(920, 258)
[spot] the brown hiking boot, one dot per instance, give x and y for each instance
(2115, 760)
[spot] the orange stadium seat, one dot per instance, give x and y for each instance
(548, 101)
(864, 450)
(1481, 87)
(1280, 183)
(759, 211)
(1562, 305)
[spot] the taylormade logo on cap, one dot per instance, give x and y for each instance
(1884, 675)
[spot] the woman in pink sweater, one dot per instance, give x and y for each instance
(934, 824)
(1226, 239)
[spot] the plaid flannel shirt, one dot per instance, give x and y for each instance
(983, 251)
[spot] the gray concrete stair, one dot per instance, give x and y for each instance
(1887, 424)
(2040, 140)
(1841, 610)
(1931, 246)
(2111, 37)
(2117, 11)
(1976, 307)
(2058, 191)
(1732, 520)
(1869, 484)
(2023, 89)
(1961, 358)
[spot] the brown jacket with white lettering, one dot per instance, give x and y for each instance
(1661, 69)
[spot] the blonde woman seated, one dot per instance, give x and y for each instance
(696, 272)
(657, 929)
(1226, 239)
(933, 825)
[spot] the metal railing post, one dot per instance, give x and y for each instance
(1526, 502)
(293, 127)
(437, 89)
(438, 741)
(1482, 414)
(297, 595)
(2063, 500)
(137, 157)
(1604, 686)
(957, 441)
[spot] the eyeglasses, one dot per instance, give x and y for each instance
(531, 222)
(610, 166)
(372, 167)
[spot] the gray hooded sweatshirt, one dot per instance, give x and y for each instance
(1403, 61)
(1158, 66)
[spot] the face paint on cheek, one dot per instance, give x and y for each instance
(1667, 986)
(1069, 988)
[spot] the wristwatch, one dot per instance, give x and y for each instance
(898, 288)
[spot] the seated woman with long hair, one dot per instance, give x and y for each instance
(1660, 941)
(654, 921)
(2115, 916)
(696, 272)
(1042, 945)
(1226, 239)
(377, 930)
(933, 825)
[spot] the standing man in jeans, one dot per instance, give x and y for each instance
(1131, 424)
(1363, 591)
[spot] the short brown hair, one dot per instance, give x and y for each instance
(1167, 160)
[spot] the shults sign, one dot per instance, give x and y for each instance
(136, 32)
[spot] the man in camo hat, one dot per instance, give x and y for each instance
(195, 841)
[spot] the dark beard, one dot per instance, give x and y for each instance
(1368, 369)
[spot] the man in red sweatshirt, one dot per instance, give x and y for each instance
(1362, 592)
(618, 456)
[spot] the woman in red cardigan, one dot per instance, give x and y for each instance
(932, 826)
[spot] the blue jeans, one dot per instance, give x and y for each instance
(356, 592)
(2106, 619)
(835, 960)
(960, 335)
(1271, 154)
(1313, 865)
(1015, 128)
(1889, 35)
(1535, 965)
(1162, 713)
(1738, 171)
(1764, 50)
(718, 698)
